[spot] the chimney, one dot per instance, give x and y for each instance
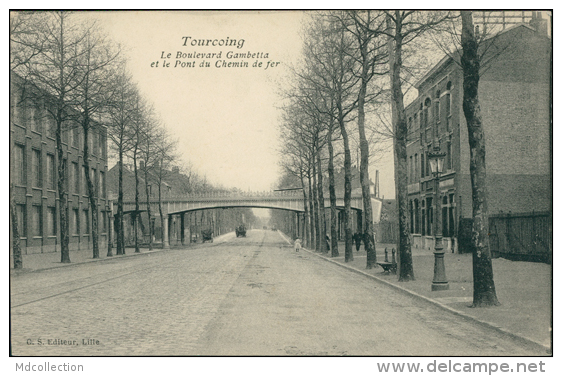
(141, 164)
(538, 23)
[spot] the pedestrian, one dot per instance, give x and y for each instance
(357, 237)
(297, 245)
(327, 242)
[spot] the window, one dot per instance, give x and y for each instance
(411, 169)
(37, 172)
(100, 145)
(103, 146)
(75, 178)
(51, 172)
(86, 221)
(22, 220)
(65, 173)
(448, 111)
(449, 155)
(95, 139)
(411, 217)
(64, 134)
(51, 221)
(75, 137)
(416, 216)
(19, 165)
(37, 221)
(104, 222)
(451, 215)
(422, 165)
(75, 222)
(416, 168)
(429, 215)
(444, 216)
(37, 123)
(90, 143)
(426, 112)
(102, 184)
(51, 126)
(437, 117)
(423, 218)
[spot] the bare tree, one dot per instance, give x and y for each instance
(151, 133)
(367, 29)
(163, 160)
(120, 114)
(403, 26)
(26, 43)
(328, 57)
(55, 71)
(95, 57)
(475, 51)
(484, 288)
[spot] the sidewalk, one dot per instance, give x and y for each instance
(524, 290)
(51, 260)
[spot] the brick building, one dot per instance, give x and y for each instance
(33, 166)
(514, 99)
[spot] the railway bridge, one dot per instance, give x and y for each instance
(176, 207)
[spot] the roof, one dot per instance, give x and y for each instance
(447, 58)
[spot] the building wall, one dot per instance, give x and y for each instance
(514, 98)
(33, 167)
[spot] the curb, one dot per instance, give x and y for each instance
(527, 341)
(114, 257)
(61, 265)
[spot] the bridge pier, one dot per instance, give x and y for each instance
(165, 232)
(182, 228)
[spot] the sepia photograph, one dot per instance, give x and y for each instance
(282, 183)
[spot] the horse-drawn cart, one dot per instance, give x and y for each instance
(241, 231)
(207, 235)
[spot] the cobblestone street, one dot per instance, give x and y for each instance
(247, 296)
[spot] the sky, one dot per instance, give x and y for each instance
(225, 119)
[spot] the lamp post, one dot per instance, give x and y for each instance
(440, 282)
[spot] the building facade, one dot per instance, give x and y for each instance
(33, 176)
(514, 98)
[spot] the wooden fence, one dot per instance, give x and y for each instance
(523, 236)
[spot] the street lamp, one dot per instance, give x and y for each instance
(436, 159)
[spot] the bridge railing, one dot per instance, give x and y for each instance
(237, 194)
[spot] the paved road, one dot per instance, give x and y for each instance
(244, 296)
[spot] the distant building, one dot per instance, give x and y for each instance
(514, 100)
(33, 166)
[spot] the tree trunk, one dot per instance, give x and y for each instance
(321, 209)
(137, 207)
(305, 216)
(311, 214)
(16, 244)
(63, 204)
(318, 243)
(162, 215)
(333, 199)
(148, 211)
(347, 192)
(91, 194)
(110, 234)
(400, 130)
(484, 287)
(364, 168)
(120, 227)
